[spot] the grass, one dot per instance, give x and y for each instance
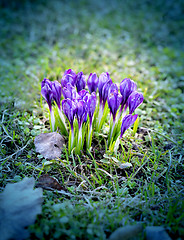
(142, 40)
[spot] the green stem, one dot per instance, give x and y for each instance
(62, 119)
(52, 118)
(112, 129)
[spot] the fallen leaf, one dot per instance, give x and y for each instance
(127, 232)
(156, 233)
(47, 182)
(19, 206)
(49, 145)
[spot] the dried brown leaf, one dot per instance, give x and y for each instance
(49, 145)
(47, 182)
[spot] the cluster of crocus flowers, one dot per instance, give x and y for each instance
(79, 105)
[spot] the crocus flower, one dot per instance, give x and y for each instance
(80, 111)
(56, 90)
(71, 72)
(47, 93)
(68, 77)
(103, 78)
(46, 81)
(113, 88)
(127, 86)
(83, 93)
(105, 91)
(128, 120)
(69, 109)
(69, 91)
(134, 100)
(92, 82)
(80, 81)
(91, 105)
(114, 100)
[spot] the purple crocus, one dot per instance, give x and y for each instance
(92, 82)
(47, 93)
(91, 105)
(128, 120)
(103, 78)
(46, 81)
(83, 93)
(56, 90)
(104, 95)
(113, 88)
(69, 91)
(68, 77)
(80, 111)
(114, 100)
(80, 81)
(134, 100)
(127, 86)
(71, 72)
(105, 91)
(69, 109)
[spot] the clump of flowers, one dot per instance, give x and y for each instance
(80, 111)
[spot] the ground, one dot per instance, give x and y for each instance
(142, 40)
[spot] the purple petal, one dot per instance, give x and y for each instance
(46, 82)
(80, 81)
(70, 72)
(105, 91)
(128, 120)
(103, 78)
(83, 93)
(67, 79)
(56, 90)
(114, 100)
(69, 109)
(127, 86)
(81, 111)
(92, 82)
(69, 91)
(91, 104)
(69, 76)
(46, 91)
(134, 100)
(113, 88)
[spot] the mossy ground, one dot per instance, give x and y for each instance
(142, 40)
